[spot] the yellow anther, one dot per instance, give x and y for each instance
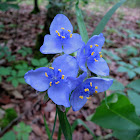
(86, 89)
(50, 84)
(56, 31)
(96, 45)
(51, 68)
(100, 52)
(69, 30)
(91, 46)
(88, 97)
(71, 35)
(63, 36)
(96, 91)
(57, 82)
(62, 28)
(95, 60)
(58, 34)
(101, 56)
(96, 87)
(81, 97)
(62, 77)
(46, 74)
(91, 84)
(60, 70)
(92, 53)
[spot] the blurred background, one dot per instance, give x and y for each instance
(23, 25)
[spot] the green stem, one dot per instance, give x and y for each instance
(47, 128)
(59, 133)
(54, 124)
(106, 101)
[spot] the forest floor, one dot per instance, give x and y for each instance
(21, 29)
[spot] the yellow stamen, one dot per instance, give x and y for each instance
(58, 34)
(96, 87)
(86, 89)
(46, 74)
(95, 60)
(96, 91)
(62, 77)
(62, 28)
(70, 35)
(51, 68)
(50, 84)
(91, 46)
(56, 31)
(91, 84)
(81, 97)
(88, 97)
(60, 70)
(69, 30)
(92, 53)
(63, 36)
(100, 52)
(101, 56)
(57, 82)
(96, 45)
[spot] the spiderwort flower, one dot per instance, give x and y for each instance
(86, 89)
(91, 55)
(62, 38)
(54, 79)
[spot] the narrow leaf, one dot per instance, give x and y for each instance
(81, 24)
(65, 126)
(100, 27)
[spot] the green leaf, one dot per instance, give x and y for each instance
(21, 80)
(137, 70)
(43, 61)
(135, 85)
(116, 86)
(130, 135)
(15, 82)
(9, 136)
(81, 24)
(135, 100)
(5, 71)
(35, 62)
(80, 122)
(0, 79)
(120, 115)
(65, 126)
(100, 27)
(14, 73)
(21, 73)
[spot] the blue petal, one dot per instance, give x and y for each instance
(60, 94)
(58, 22)
(76, 102)
(96, 39)
(37, 79)
(67, 64)
(81, 59)
(99, 68)
(74, 82)
(72, 44)
(102, 83)
(51, 45)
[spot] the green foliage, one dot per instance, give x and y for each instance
(6, 53)
(135, 85)
(7, 4)
(21, 130)
(42, 62)
(120, 116)
(1, 27)
(10, 114)
(100, 27)
(132, 34)
(24, 51)
(81, 24)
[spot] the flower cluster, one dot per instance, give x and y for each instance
(60, 80)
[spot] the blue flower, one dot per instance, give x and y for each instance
(54, 79)
(62, 38)
(90, 56)
(86, 89)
